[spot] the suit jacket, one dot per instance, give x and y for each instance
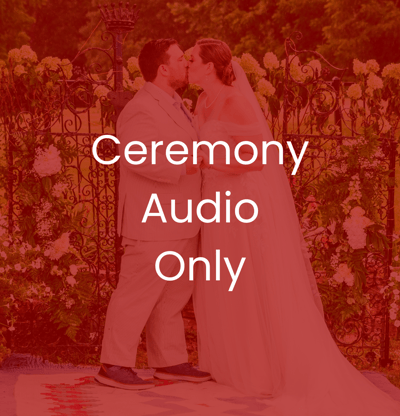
(148, 117)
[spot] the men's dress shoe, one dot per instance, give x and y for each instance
(121, 377)
(183, 372)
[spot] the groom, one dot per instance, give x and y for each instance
(142, 298)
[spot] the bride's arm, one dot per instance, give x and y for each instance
(238, 111)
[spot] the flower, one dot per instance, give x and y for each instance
(138, 83)
(237, 59)
(249, 63)
(354, 92)
(344, 274)
(19, 70)
(58, 248)
(58, 189)
(350, 301)
(369, 91)
(133, 65)
(39, 69)
(297, 71)
(11, 328)
(71, 280)
(188, 103)
(354, 227)
(195, 87)
(73, 268)
(265, 87)
(391, 71)
(47, 162)
(188, 54)
(18, 267)
(349, 279)
(261, 100)
(359, 67)
(316, 67)
(374, 82)
(354, 192)
(270, 61)
(101, 91)
(2, 63)
(251, 66)
(396, 276)
(50, 62)
(372, 66)
(37, 264)
(69, 302)
(396, 323)
(14, 55)
(67, 68)
(125, 77)
(27, 54)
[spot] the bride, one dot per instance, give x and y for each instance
(268, 336)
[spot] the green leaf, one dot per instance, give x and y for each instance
(274, 105)
(47, 185)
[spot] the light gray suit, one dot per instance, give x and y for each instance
(142, 297)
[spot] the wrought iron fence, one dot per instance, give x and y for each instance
(314, 110)
(96, 186)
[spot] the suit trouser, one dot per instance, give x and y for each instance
(142, 298)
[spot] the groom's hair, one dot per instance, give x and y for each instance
(154, 54)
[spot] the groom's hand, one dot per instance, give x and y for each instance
(191, 167)
(205, 162)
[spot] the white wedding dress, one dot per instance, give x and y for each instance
(268, 336)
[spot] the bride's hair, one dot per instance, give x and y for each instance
(217, 52)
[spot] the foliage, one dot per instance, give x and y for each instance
(342, 190)
(340, 30)
(39, 266)
(15, 21)
(31, 86)
(252, 26)
(363, 29)
(56, 21)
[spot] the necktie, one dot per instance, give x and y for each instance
(179, 107)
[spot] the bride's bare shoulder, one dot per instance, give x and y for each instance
(237, 109)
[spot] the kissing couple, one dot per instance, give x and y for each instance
(268, 336)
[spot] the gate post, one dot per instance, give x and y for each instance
(119, 21)
(385, 341)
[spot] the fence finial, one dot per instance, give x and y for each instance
(119, 18)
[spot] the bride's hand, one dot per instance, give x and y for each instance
(191, 167)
